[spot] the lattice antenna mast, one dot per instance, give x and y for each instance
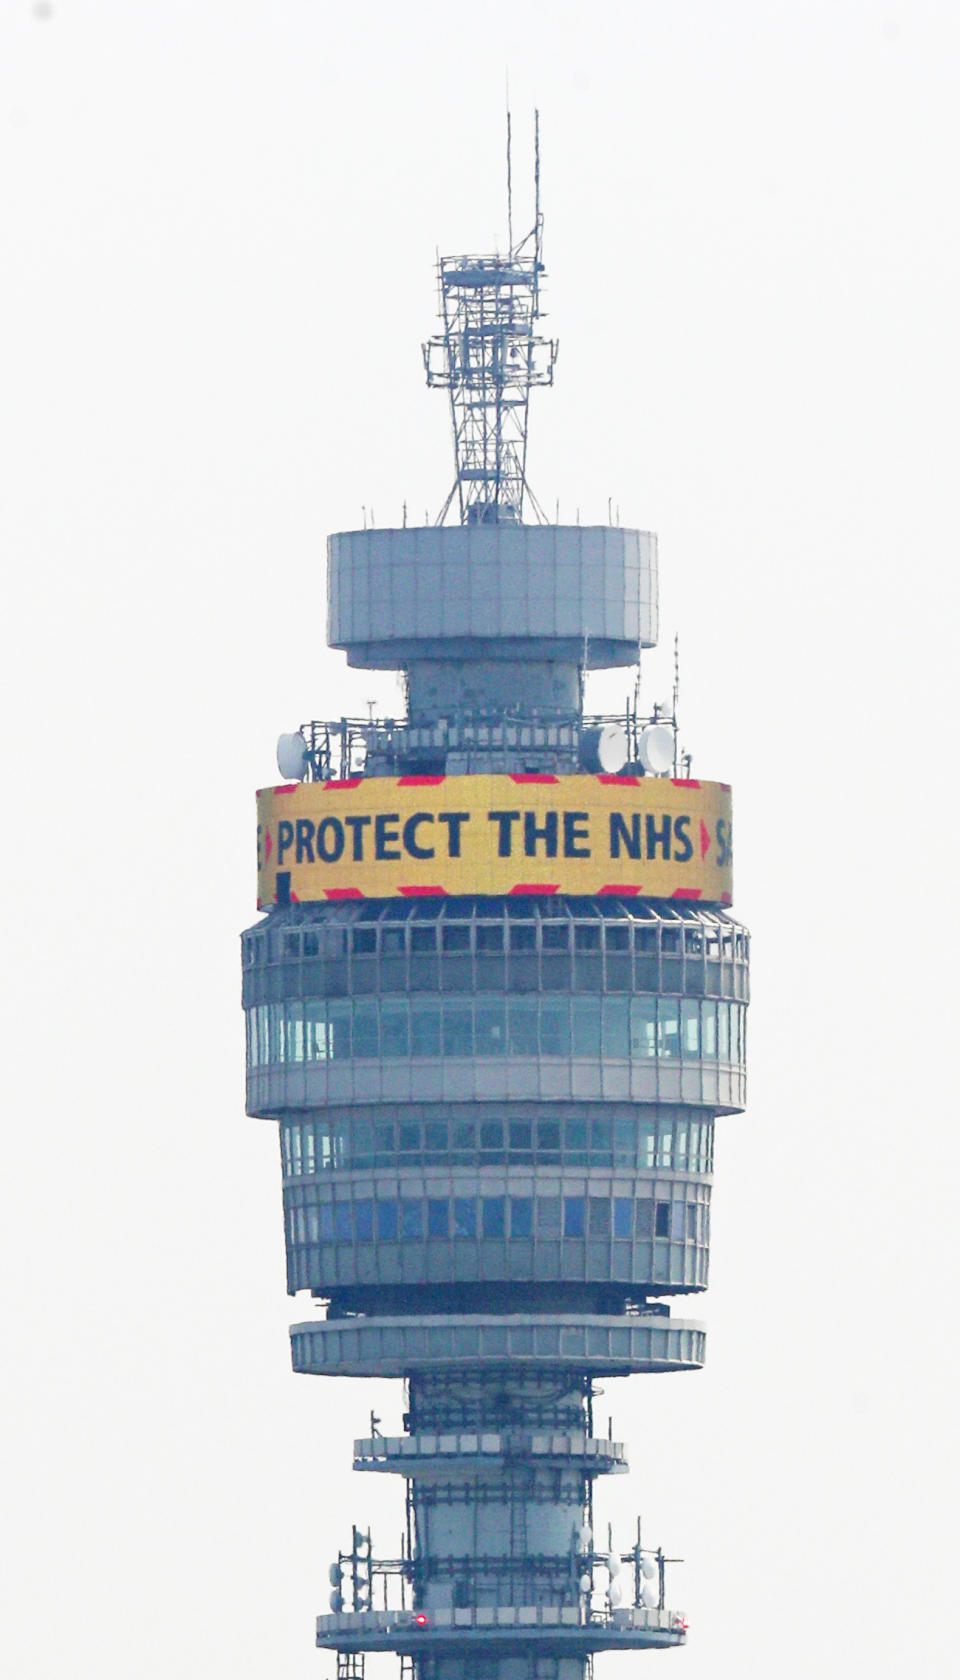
(489, 358)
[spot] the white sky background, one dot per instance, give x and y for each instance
(219, 221)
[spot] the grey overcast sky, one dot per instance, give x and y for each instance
(219, 221)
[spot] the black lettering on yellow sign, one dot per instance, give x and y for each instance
(325, 842)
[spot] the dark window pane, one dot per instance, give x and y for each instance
(521, 1216)
(599, 1210)
(555, 936)
(438, 1219)
(490, 936)
(523, 936)
(435, 1138)
(464, 1136)
(644, 1218)
(548, 1135)
(493, 1216)
(618, 938)
(661, 1226)
(423, 939)
(342, 1223)
(491, 1134)
(384, 1141)
(464, 1217)
(411, 1218)
(453, 938)
(410, 1137)
(521, 1137)
(363, 1219)
(387, 1220)
(573, 1216)
(364, 940)
(326, 1222)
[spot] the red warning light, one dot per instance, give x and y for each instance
(420, 1620)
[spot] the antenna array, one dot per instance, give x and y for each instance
(489, 358)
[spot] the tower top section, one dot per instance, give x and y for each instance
(489, 358)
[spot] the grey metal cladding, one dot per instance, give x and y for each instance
(393, 595)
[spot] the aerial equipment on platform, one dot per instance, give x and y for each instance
(648, 1566)
(605, 748)
(489, 360)
(612, 1565)
(292, 757)
(586, 1583)
(656, 749)
(336, 1602)
(614, 1594)
(650, 1598)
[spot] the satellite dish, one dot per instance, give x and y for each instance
(585, 1536)
(336, 1574)
(656, 749)
(336, 1602)
(615, 1594)
(586, 1583)
(613, 1565)
(605, 748)
(650, 1598)
(292, 757)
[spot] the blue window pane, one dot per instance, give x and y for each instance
(424, 1026)
(457, 1027)
(363, 1219)
(438, 1219)
(622, 1216)
(342, 1223)
(616, 1027)
(366, 1029)
(690, 1027)
(586, 1026)
(411, 1219)
(393, 1028)
(493, 1216)
(555, 1025)
(669, 1016)
(491, 1027)
(339, 1030)
(464, 1217)
(678, 1221)
(573, 1216)
(521, 1216)
(643, 1026)
(326, 1222)
(523, 1025)
(387, 1221)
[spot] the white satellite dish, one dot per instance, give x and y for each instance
(613, 1565)
(336, 1574)
(605, 748)
(615, 1594)
(650, 1598)
(586, 1583)
(292, 757)
(656, 749)
(585, 1536)
(648, 1567)
(336, 1602)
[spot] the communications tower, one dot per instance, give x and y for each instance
(496, 1003)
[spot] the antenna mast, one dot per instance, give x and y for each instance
(489, 358)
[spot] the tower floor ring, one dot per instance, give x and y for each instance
(592, 1344)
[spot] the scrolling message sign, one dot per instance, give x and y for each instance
(416, 836)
